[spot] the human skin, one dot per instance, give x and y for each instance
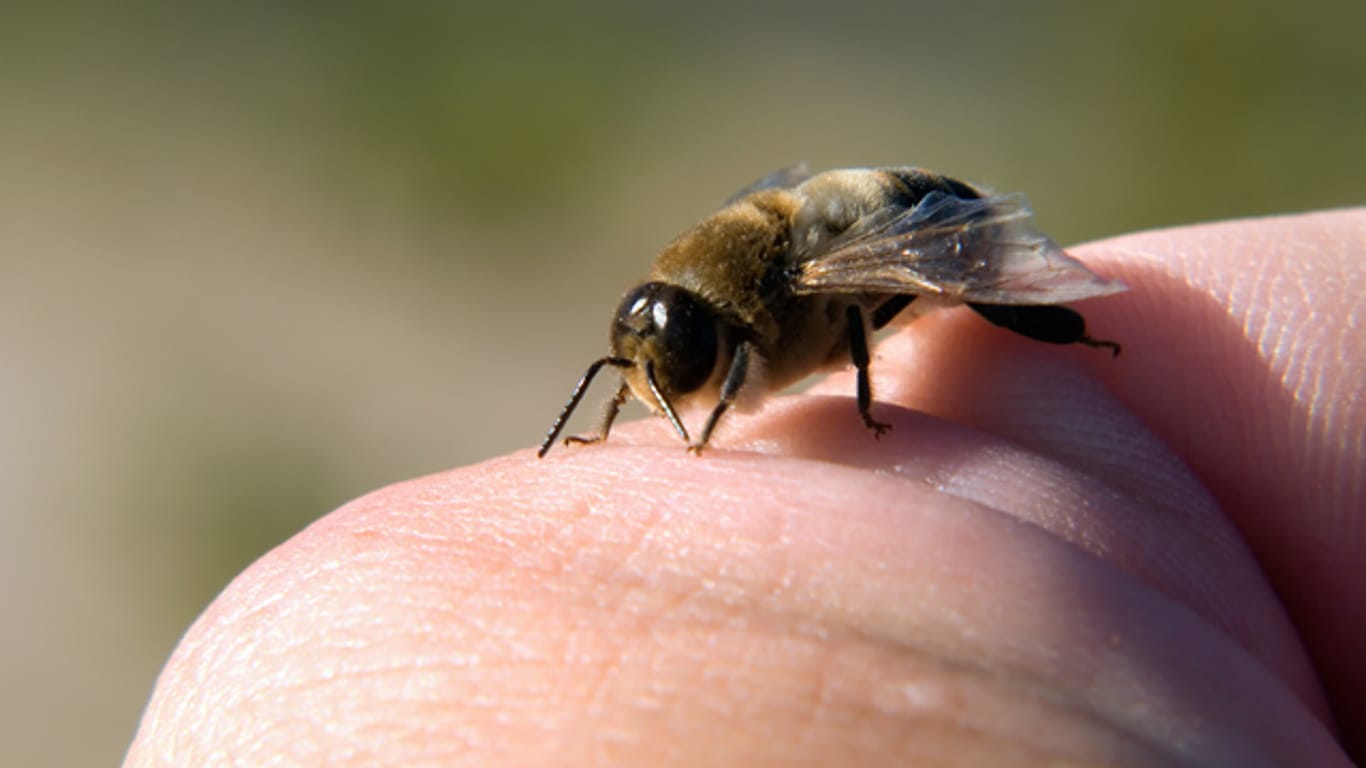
(1055, 557)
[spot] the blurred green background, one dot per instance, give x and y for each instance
(259, 258)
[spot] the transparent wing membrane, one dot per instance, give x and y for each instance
(982, 250)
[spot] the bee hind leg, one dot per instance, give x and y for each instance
(1051, 324)
(858, 351)
(889, 309)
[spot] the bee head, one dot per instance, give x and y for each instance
(670, 331)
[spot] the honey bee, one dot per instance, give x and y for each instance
(795, 272)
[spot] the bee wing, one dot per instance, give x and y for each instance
(786, 178)
(983, 250)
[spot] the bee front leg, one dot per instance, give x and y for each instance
(609, 415)
(664, 404)
(858, 350)
(730, 389)
(619, 363)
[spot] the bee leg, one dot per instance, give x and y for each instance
(730, 388)
(889, 309)
(609, 415)
(858, 350)
(664, 404)
(579, 389)
(1052, 324)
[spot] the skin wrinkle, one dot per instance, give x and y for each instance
(735, 610)
(854, 710)
(1047, 413)
(702, 488)
(990, 674)
(1309, 391)
(850, 716)
(601, 684)
(1310, 563)
(824, 693)
(488, 640)
(985, 676)
(1287, 353)
(1325, 406)
(485, 641)
(1225, 539)
(615, 574)
(1166, 577)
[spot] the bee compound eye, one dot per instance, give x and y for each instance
(688, 342)
(674, 328)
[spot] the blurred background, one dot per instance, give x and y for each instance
(257, 259)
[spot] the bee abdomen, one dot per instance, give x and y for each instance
(912, 184)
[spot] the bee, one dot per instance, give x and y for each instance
(795, 272)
